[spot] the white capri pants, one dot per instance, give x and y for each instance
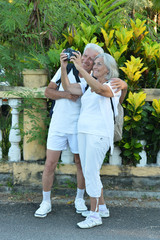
(92, 150)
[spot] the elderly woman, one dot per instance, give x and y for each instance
(95, 124)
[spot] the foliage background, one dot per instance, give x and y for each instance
(34, 32)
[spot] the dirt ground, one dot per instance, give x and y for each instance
(59, 199)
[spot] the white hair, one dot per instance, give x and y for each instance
(95, 47)
(110, 64)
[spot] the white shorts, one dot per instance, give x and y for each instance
(60, 141)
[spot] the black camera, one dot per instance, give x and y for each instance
(70, 52)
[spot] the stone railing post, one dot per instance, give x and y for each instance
(34, 150)
(0, 133)
(158, 158)
(67, 157)
(14, 153)
(115, 158)
(143, 161)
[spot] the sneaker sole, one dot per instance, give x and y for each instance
(102, 216)
(80, 211)
(42, 215)
(86, 227)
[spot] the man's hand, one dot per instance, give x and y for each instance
(52, 93)
(63, 59)
(118, 84)
(73, 97)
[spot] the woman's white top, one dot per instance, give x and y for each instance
(96, 115)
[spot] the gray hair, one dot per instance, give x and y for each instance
(110, 64)
(95, 47)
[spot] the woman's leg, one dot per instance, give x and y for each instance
(96, 148)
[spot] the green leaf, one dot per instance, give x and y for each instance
(127, 128)
(137, 118)
(127, 153)
(137, 156)
(127, 146)
(150, 126)
(138, 145)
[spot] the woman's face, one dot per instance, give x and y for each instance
(99, 68)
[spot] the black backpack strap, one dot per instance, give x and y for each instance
(88, 85)
(69, 67)
(58, 82)
(112, 108)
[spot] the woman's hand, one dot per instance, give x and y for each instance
(76, 60)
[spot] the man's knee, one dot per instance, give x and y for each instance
(52, 160)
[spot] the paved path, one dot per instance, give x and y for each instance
(126, 223)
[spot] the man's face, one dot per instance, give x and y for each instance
(88, 59)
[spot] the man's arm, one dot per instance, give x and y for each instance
(119, 84)
(123, 95)
(52, 93)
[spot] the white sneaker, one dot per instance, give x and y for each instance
(90, 222)
(43, 210)
(103, 214)
(80, 205)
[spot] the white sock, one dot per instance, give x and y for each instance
(80, 193)
(94, 214)
(102, 207)
(47, 196)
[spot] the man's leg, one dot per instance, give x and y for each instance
(79, 200)
(80, 177)
(50, 166)
(47, 182)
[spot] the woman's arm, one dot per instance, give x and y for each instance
(95, 85)
(73, 88)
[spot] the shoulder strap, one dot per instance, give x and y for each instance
(88, 85)
(112, 108)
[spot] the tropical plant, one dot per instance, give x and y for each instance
(100, 11)
(130, 145)
(5, 125)
(151, 121)
(27, 31)
(78, 38)
(133, 71)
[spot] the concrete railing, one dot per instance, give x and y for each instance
(27, 171)
(34, 151)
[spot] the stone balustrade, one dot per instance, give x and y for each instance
(26, 170)
(12, 94)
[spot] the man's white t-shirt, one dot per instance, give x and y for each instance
(66, 112)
